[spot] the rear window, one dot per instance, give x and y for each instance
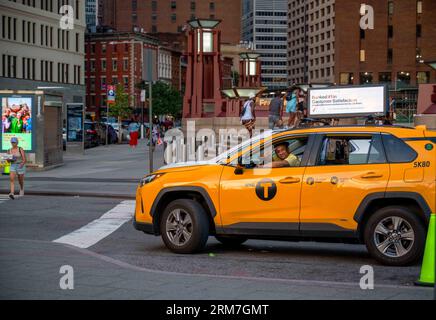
(397, 151)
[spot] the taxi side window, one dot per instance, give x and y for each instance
(349, 150)
(266, 153)
(397, 151)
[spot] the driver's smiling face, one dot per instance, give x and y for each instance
(281, 152)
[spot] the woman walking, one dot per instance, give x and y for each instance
(133, 132)
(18, 167)
(248, 114)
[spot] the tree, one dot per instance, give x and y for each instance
(166, 99)
(120, 109)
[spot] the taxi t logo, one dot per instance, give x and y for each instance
(266, 189)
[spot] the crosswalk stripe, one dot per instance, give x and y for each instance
(99, 229)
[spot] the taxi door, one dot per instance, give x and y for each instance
(344, 171)
(262, 201)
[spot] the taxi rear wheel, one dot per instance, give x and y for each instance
(395, 236)
(231, 241)
(184, 226)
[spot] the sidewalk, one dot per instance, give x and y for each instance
(112, 171)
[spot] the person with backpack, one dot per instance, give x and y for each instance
(248, 114)
(18, 167)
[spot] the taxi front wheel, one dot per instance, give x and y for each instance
(184, 226)
(395, 236)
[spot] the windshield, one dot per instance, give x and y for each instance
(225, 156)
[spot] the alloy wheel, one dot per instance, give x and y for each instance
(394, 236)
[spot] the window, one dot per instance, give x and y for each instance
(351, 150)
(365, 77)
(346, 78)
(390, 56)
(362, 56)
(114, 65)
(212, 6)
(103, 65)
(173, 17)
(418, 31)
(77, 42)
(422, 77)
(266, 154)
(397, 151)
(419, 7)
(390, 32)
(390, 8)
(384, 77)
(173, 5)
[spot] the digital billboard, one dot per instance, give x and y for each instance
(17, 119)
(347, 101)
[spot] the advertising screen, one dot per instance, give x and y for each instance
(347, 101)
(17, 121)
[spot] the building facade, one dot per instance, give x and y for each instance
(311, 41)
(339, 51)
(36, 53)
(115, 58)
(264, 26)
(171, 15)
(404, 36)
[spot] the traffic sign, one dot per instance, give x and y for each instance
(110, 94)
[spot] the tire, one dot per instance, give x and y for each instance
(193, 220)
(399, 246)
(231, 241)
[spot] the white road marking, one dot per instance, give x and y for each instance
(4, 198)
(99, 229)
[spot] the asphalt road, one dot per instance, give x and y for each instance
(127, 264)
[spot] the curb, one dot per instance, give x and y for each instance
(74, 194)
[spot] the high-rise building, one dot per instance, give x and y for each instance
(339, 51)
(311, 41)
(172, 15)
(264, 27)
(35, 52)
(393, 52)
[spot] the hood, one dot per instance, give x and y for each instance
(184, 166)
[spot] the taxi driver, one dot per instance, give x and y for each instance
(282, 157)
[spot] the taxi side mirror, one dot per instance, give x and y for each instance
(239, 169)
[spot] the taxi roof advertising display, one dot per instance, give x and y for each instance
(342, 102)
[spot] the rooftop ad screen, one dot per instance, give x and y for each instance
(347, 101)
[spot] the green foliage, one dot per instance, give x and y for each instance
(121, 108)
(166, 99)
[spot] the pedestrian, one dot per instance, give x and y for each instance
(248, 114)
(18, 167)
(275, 111)
(291, 108)
(301, 110)
(133, 132)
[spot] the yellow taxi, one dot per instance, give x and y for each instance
(356, 184)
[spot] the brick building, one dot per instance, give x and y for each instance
(338, 51)
(171, 15)
(404, 34)
(117, 58)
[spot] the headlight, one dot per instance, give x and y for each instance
(149, 178)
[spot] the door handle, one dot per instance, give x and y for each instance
(371, 175)
(289, 180)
